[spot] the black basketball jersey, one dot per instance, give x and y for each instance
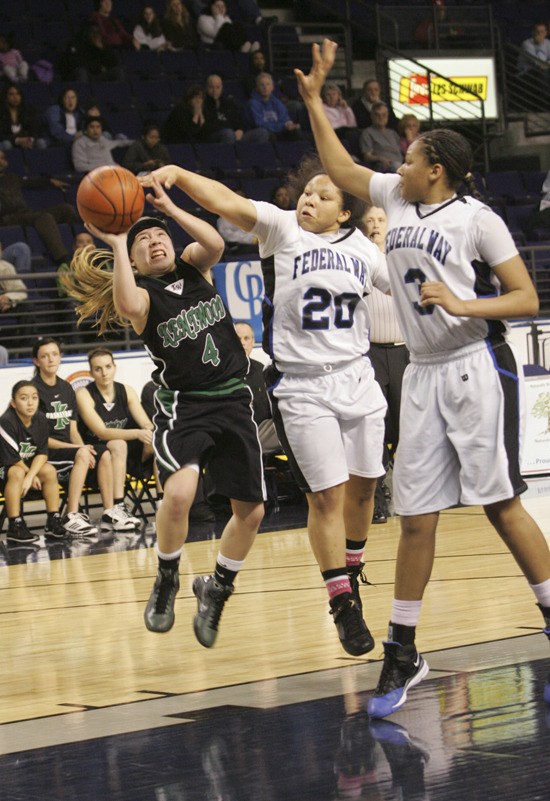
(190, 334)
(114, 414)
(19, 443)
(58, 402)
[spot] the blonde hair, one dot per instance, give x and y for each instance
(404, 121)
(90, 282)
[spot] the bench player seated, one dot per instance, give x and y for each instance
(66, 449)
(111, 412)
(24, 463)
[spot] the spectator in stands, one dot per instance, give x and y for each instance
(92, 109)
(534, 63)
(257, 64)
(148, 152)
(439, 29)
(248, 9)
(18, 254)
(24, 463)
(266, 111)
(190, 121)
(217, 29)
(113, 33)
(236, 240)
(362, 106)
(179, 27)
(229, 115)
(281, 198)
(379, 145)
(260, 399)
(12, 288)
(65, 118)
(12, 64)
(339, 113)
(90, 59)
(111, 412)
(148, 31)
(14, 210)
(19, 123)
(93, 149)
(408, 129)
(72, 459)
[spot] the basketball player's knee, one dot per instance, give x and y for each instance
(250, 515)
(48, 474)
(178, 499)
(82, 456)
(325, 501)
(118, 448)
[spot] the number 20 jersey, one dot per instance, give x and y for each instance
(315, 314)
(456, 243)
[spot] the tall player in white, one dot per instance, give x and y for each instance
(455, 275)
(329, 409)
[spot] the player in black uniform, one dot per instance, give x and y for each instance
(24, 462)
(111, 413)
(203, 406)
(66, 449)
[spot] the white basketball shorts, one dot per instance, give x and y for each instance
(461, 430)
(334, 423)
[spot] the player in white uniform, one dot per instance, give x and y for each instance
(455, 275)
(328, 408)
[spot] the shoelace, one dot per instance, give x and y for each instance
(351, 622)
(165, 591)
(217, 600)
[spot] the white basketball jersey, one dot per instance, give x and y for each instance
(315, 314)
(457, 243)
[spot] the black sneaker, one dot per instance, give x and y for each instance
(403, 668)
(356, 574)
(18, 532)
(352, 630)
(159, 613)
(211, 597)
(55, 529)
(380, 515)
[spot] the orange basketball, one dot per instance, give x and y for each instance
(110, 198)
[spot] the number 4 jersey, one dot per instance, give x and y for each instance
(189, 332)
(315, 312)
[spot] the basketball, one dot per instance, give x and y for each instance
(111, 198)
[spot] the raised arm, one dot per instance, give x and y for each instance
(211, 195)
(340, 167)
(208, 245)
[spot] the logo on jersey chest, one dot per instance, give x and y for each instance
(421, 238)
(176, 288)
(328, 259)
(26, 451)
(60, 414)
(190, 322)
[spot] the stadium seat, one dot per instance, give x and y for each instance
(222, 160)
(260, 156)
(113, 95)
(259, 188)
(54, 161)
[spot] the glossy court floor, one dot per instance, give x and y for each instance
(94, 708)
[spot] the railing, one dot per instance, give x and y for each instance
(289, 46)
(43, 315)
(526, 94)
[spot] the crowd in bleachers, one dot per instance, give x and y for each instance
(163, 94)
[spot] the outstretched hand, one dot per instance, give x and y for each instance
(165, 176)
(109, 239)
(322, 62)
(158, 197)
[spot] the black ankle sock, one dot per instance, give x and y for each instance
(160, 496)
(117, 501)
(545, 613)
(224, 576)
(404, 635)
(355, 545)
(169, 564)
(51, 516)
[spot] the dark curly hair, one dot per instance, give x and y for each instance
(308, 168)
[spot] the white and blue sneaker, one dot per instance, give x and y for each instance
(403, 668)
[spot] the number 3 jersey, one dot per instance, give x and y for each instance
(315, 314)
(456, 243)
(189, 332)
